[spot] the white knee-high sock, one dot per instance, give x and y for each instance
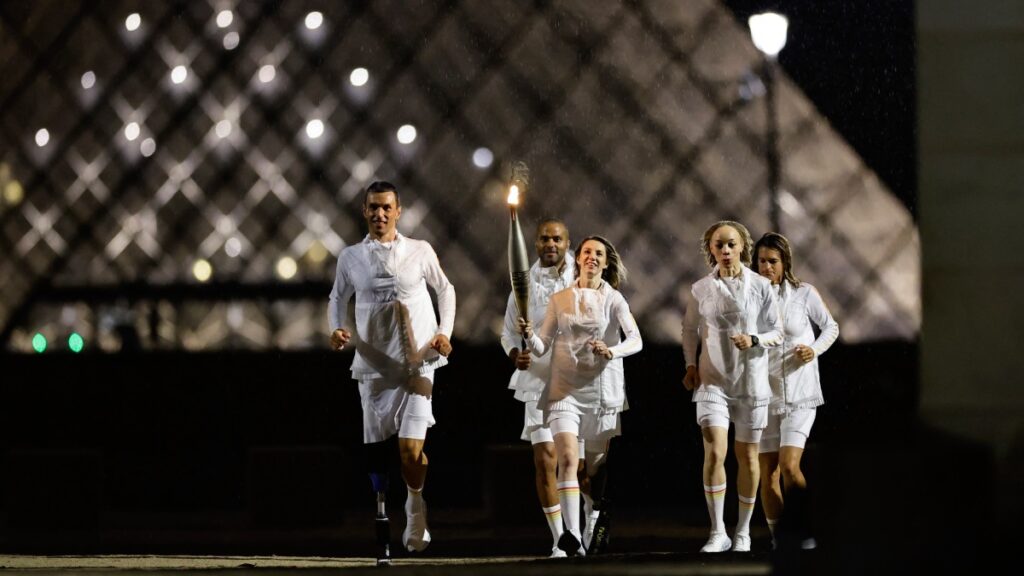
(414, 502)
(715, 498)
(569, 497)
(554, 516)
(746, 510)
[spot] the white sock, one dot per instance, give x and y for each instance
(554, 516)
(746, 510)
(771, 526)
(414, 503)
(588, 509)
(381, 505)
(715, 498)
(569, 497)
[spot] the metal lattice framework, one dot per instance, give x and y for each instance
(640, 120)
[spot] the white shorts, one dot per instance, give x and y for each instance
(389, 407)
(789, 429)
(535, 430)
(749, 420)
(588, 427)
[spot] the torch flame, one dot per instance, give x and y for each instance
(513, 195)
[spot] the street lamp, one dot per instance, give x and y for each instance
(768, 30)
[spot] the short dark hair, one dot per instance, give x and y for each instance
(551, 220)
(382, 186)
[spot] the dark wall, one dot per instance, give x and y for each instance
(110, 444)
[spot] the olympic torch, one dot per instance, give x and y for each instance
(518, 258)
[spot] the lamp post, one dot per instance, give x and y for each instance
(768, 30)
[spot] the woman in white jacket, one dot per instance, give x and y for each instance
(587, 389)
(731, 318)
(796, 387)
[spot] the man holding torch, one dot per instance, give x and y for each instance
(551, 273)
(398, 344)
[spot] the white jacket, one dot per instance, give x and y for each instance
(394, 316)
(718, 309)
(544, 282)
(795, 384)
(581, 381)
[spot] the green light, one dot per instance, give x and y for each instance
(39, 343)
(75, 342)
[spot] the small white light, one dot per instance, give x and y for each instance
(407, 134)
(133, 21)
(315, 128)
(267, 73)
(88, 79)
(132, 131)
(314, 20)
(231, 40)
(233, 247)
(42, 137)
(359, 76)
(768, 31)
(223, 128)
(482, 157)
(202, 270)
(224, 18)
(363, 170)
(286, 268)
(148, 147)
(179, 74)
(235, 316)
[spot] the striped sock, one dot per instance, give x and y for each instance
(569, 497)
(746, 510)
(715, 498)
(554, 516)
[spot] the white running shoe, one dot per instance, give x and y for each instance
(718, 542)
(557, 552)
(416, 537)
(808, 544)
(741, 543)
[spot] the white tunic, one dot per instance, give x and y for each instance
(795, 384)
(717, 309)
(544, 282)
(394, 316)
(583, 382)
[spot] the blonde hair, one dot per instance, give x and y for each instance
(746, 256)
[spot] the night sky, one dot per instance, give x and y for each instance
(855, 59)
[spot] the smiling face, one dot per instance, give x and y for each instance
(592, 259)
(727, 247)
(552, 242)
(382, 211)
(769, 264)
